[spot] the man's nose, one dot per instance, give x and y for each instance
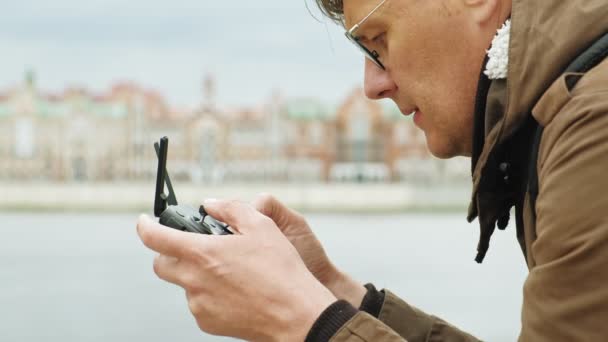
(378, 83)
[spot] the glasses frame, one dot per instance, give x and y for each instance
(350, 34)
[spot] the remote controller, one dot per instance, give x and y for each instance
(179, 216)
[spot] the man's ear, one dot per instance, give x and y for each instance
(483, 11)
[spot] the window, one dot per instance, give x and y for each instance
(24, 138)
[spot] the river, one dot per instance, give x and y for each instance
(87, 277)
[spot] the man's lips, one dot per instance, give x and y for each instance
(409, 111)
(417, 118)
(415, 112)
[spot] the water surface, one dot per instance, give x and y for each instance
(87, 277)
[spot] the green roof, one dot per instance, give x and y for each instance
(113, 110)
(6, 109)
(305, 109)
(314, 110)
(50, 109)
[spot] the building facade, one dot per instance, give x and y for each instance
(80, 136)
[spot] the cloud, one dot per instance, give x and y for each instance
(252, 47)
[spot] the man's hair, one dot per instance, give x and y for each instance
(333, 9)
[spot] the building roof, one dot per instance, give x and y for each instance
(117, 102)
(307, 109)
(6, 109)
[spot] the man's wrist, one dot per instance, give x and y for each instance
(304, 315)
(346, 288)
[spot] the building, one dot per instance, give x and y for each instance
(80, 136)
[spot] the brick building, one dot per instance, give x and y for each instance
(80, 136)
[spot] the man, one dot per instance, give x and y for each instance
(273, 282)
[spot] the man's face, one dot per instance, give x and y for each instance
(432, 51)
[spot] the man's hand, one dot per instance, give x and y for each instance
(296, 229)
(252, 285)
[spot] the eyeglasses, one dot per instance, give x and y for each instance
(350, 34)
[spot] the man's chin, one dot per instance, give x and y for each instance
(443, 149)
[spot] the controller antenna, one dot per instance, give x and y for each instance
(162, 177)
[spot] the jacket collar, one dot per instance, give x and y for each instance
(545, 36)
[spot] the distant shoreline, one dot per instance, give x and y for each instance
(385, 198)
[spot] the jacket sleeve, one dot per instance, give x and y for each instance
(396, 321)
(342, 322)
(566, 292)
(415, 325)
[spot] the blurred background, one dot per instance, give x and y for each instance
(255, 96)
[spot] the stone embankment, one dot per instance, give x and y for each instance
(34, 196)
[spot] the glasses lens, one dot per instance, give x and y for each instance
(373, 56)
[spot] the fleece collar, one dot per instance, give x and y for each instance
(498, 55)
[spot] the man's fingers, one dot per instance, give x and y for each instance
(270, 206)
(168, 268)
(164, 240)
(239, 215)
(266, 204)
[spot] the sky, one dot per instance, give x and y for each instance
(251, 47)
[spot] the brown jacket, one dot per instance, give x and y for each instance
(566, 242)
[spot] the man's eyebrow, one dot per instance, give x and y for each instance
(362, 38)
(365, 38)
(369, 26)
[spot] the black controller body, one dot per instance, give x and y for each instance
(185, 218)
(179, 216)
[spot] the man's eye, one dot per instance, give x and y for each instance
(379, 39)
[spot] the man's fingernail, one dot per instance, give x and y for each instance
(141, 221)
(210, 201)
